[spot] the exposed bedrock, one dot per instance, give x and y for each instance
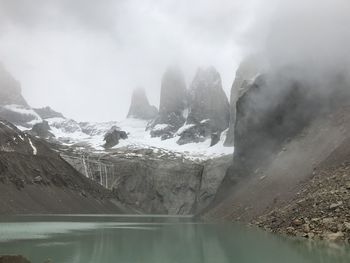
(153, 183)
(173, 102)
(113, 136)
(247, 71)
(140, 108)
(208, 101)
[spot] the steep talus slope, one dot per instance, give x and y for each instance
(35, 179)
(321, 207)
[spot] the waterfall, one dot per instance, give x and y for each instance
(106, 178)
(85, 167)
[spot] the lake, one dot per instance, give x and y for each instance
(153, 239)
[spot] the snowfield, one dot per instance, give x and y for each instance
(70, 133)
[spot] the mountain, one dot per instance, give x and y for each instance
(35, 179)
(208, 114)
(120, 163)
(290, 167)
(140, 107)
(207, 100)
(173, 104)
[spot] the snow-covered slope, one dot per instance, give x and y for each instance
(70, 132)
(91, 135)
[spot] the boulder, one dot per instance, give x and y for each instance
(113, 136)
(140, 108)
(208, 101)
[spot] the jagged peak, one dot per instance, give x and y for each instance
(140, 108)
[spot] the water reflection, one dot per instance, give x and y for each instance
(66, 239)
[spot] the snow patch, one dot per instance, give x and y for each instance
(160, 127)
(35, 151)
(184, 128)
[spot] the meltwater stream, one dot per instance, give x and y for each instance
(123, 239)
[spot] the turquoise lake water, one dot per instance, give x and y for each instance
(142, 239)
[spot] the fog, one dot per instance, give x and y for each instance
(84, 57)
(313, 35)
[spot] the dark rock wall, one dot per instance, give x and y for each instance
(207, 100)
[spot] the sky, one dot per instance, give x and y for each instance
(84, 57)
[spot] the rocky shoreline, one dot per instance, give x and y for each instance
(321, 211)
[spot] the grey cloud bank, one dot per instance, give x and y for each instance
(85, 57)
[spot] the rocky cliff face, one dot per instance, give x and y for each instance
(173, 102)
(247, 71)
(140, 107)
(194, 115)
(154, 182)
(208, 109)
(208, 101)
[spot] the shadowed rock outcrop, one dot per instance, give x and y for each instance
(247, 71)
(113, 136)
(140, 108)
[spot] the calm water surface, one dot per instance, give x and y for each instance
(107, 239)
